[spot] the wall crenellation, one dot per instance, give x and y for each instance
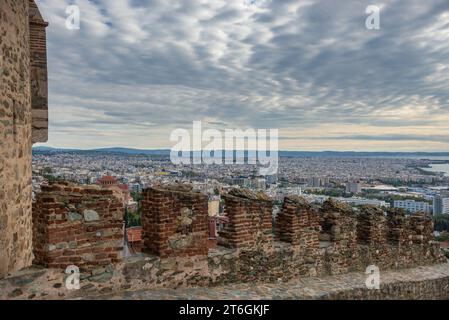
(299, 224)
(397, 226)
(306, 240)
(338, 237)
(250, 220)
(175, 221)
(80, 226)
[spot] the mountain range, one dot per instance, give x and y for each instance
(166, 152)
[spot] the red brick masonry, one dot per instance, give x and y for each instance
(83, 226)
(250, 219)
(77, 225)
(175, 221)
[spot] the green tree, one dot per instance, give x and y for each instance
(441, 222)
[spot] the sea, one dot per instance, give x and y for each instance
(439, 167)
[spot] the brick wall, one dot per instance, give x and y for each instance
(20, 43)
(339, 233)
(397, 226)
(373, 231)
(322, 240)
(421, 228)
(75, 225)
(39, 82)
(250, 219)
(298, 224)
(175, 221)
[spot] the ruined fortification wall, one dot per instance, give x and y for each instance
(175, 222)
(155, 279)
(250, 220)
(332, 239)
(77, 226)
(15, 137)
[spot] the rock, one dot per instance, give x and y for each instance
(180, 241)
(73, 216)
(15, 293)
(88, 287)
(325, 237)
(104, 277)
(110, 268)
(185, 219)
(106, 290)
(179, 187)
(88, 257)
(91, 215)
(335, 230)
(62, 245)
(98, 271)
(248, 194)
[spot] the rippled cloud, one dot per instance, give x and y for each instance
(136, 69)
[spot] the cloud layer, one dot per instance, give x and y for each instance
(137, 69)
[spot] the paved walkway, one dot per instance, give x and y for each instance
(308, 288)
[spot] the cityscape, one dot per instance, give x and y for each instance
(408, 183)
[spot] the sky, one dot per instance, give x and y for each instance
(138, 69)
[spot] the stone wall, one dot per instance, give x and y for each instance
(156, 278)
(331, 239)
(298, 224)
(372, 231)
(80, 226)
(338, 237)
(15, 137)
(175, 221)
(250, 219)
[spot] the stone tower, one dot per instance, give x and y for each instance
(23, 121)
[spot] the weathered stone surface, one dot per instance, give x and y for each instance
(73, 216)
(139, 277)
(77, 225)
(250, 219)
(175, 221)
(91, 215)
(38, 81)
(16, 77)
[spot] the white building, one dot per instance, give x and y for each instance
(362, 202)
(412, 206)
(353, 187)
(260, 184)
(354, 201)
(445, 206)
(441, 204)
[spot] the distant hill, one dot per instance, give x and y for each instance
(118, 150)
(50, 149)
(133, 151)
(292, 154)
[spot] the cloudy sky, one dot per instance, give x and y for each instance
(137, 69)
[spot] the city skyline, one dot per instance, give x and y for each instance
(136, 70)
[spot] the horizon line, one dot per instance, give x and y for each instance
(168, 149)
